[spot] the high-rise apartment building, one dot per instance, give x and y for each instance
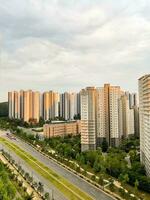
(126, 117)
(36, 106)
(14, 104)
(65, 106)
(69, 105)
(46, 106)
(27, 106)
(88, 119)
(100, 116)
(31, 106)
(11, 104)
(107, 114)
(50, 105)
(73, 105)
(114, 96)
(144, 114)
(24, 105)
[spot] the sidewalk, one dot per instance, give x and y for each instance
(20, 178)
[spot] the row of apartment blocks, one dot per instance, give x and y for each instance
(30, 106)
(107, 113)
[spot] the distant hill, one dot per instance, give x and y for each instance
(4, 109)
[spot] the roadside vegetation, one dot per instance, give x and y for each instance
(27, 177)
(4, 109)
(122, 163)
(10, 187)
(68, 189)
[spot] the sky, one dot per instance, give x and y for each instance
(66, 45)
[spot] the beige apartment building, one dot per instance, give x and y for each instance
(50, 105)
(100, 116)
(24, 105)
(144, 114)
(114, 96)
(58, 128)
(31, 106)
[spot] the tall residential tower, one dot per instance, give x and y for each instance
(144, 111)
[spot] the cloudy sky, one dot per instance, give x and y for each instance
(70, 44)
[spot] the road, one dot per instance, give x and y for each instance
(74, 179)
(36, 177)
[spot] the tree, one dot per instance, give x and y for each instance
(124, 178)
(4, 109)
(111, 186)
(27, 176)
(101, 181)
(22, 172)
(47, 196)
(31, 179)
(40, 188)
(122, 192)
(136, 184)
(93, 177)
(104, 146)
(97, 165)
(29, 196)
(35, 185)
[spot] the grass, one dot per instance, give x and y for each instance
(68, 189)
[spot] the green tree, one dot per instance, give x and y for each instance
(136, 185)
(40, 188)
(104, 146)
(124, 178)
(111, 186)
(101, 181)
(47, 196)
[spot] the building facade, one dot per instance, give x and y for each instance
(88, 119)
(144, 114)
(105, 115)
(24, 105)
(57, 129)
(126, 117)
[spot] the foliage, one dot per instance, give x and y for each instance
(4, 109)
(112, 163)
(104, 145)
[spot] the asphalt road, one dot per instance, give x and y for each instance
(36, 177)
(94, 192)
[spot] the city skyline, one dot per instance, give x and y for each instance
(84, 45)
(75, 99)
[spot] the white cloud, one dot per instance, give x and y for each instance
(61, 44)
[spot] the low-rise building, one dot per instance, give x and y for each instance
(62, 128)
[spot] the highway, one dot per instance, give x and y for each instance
(94, 192)
(36, 177)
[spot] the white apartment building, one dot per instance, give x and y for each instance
(126, 117)
(100, 114)
(73, 105)
(144, 115)
(88, 119)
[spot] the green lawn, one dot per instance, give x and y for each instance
(68, 189)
